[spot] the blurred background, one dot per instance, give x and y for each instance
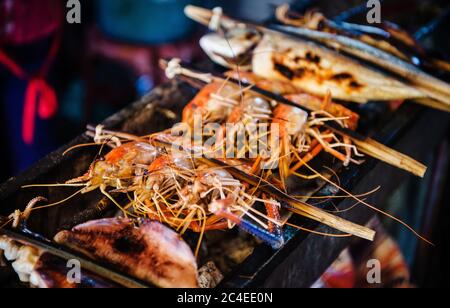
(95, 67)
(56, 77)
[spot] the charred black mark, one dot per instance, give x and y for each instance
(348, 79)
(128, 244)
(284, 70)
(309, 57)
(321, 25)
(312, 57)
(300, 72)
(342, 76)
(355, 85)
(250, 35)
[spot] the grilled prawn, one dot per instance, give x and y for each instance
(119, 168)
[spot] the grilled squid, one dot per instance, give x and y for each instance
(150, 251)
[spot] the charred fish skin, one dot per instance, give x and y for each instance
(317, 70)
(150, 252)
(431, 86)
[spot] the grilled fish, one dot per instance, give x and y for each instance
(318, 70)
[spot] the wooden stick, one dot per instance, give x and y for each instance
(377, 150)
(431, 103)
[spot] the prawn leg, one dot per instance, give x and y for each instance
(223, 225)
(273, 212)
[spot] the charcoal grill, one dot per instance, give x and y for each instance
(412, 129)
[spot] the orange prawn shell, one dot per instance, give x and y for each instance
(160, 163)
(200, 102)
(119, 153)
(120, 162)
(288, 118)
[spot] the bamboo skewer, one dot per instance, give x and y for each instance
(377, 150)
(368, 146)
(431, 103)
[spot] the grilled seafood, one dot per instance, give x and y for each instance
(256, 110)
(323, 70)
(185, 192)
(317, 69)
(188, 192)
(293, 121)
(23, 257)
(43, 270)
(297, 130)
(227, 106)
(251, 110)
(214, 103)
(304, 135)
(149, 251)
(119, 167)
(236, 51)
(349, 118)
(387, 36)
(186, 202)
(279, 87)
(50, 272)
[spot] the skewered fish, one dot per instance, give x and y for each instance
(320, 68)
(317, 70)
(386, 36)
